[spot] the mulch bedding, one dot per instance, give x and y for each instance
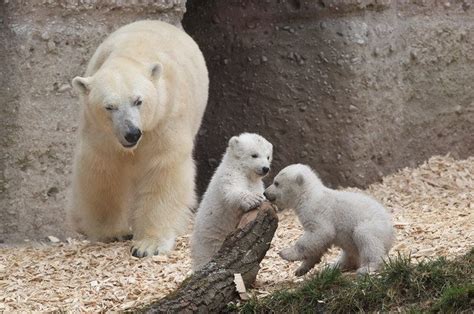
(432, 208)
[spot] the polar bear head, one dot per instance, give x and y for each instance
(123, 100)
(252, 154)
(290, 185)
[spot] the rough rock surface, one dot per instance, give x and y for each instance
(43, 45)
(356, 89)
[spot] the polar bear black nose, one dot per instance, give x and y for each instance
(268, 197)
(265, 170)
(133, 135)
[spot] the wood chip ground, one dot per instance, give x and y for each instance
(432, 208)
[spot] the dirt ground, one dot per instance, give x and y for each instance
(432, 208)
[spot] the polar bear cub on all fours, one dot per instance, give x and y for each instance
(235, 187)
(352, 221)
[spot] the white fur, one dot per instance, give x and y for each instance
(352, 221)
(148, 187)
(235, 187)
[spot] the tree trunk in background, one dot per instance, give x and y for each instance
(212, 288)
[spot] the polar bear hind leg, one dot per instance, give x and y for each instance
(347, 260)
(370, 246)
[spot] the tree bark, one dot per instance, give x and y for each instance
(210, 289)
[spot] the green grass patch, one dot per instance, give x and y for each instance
(460, 297)
(429, 286)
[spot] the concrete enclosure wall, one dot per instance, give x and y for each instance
(43, 45)
(355, 88)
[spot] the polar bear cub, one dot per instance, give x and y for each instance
(235, 187)
(352, 221)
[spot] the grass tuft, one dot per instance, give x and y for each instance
(454, 298)
(401, 285)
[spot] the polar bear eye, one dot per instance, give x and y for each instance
(138, 102)
(268, 157)
(276, 184)
(110, 108)
(255, 156)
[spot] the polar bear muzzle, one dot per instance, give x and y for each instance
(126, 123)
(132, 136)
(269, 196)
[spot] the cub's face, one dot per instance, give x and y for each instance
(253, 152)
(124, 103)
(283, 192)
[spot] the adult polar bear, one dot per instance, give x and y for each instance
(143, 97)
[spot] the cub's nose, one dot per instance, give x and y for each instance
(265, 170)
(133, 135)
(268, 197)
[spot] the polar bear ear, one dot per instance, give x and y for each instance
(233, 142)
(299, 179)
(82, 85)
(156, 70)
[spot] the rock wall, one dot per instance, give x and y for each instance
(43, 45)
(357, 89)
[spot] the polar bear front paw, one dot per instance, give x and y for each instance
(302, 270)
(368, 269)
(252, 201)
(151, 246)
(289, 254)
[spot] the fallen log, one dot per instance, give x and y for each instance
(210, 289)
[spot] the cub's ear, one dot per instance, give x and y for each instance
(82, 85)
(156, 70)
(300, 179)
(233, 142)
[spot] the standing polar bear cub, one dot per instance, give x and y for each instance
(143, 97)
(352, 221)
(235, 188)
